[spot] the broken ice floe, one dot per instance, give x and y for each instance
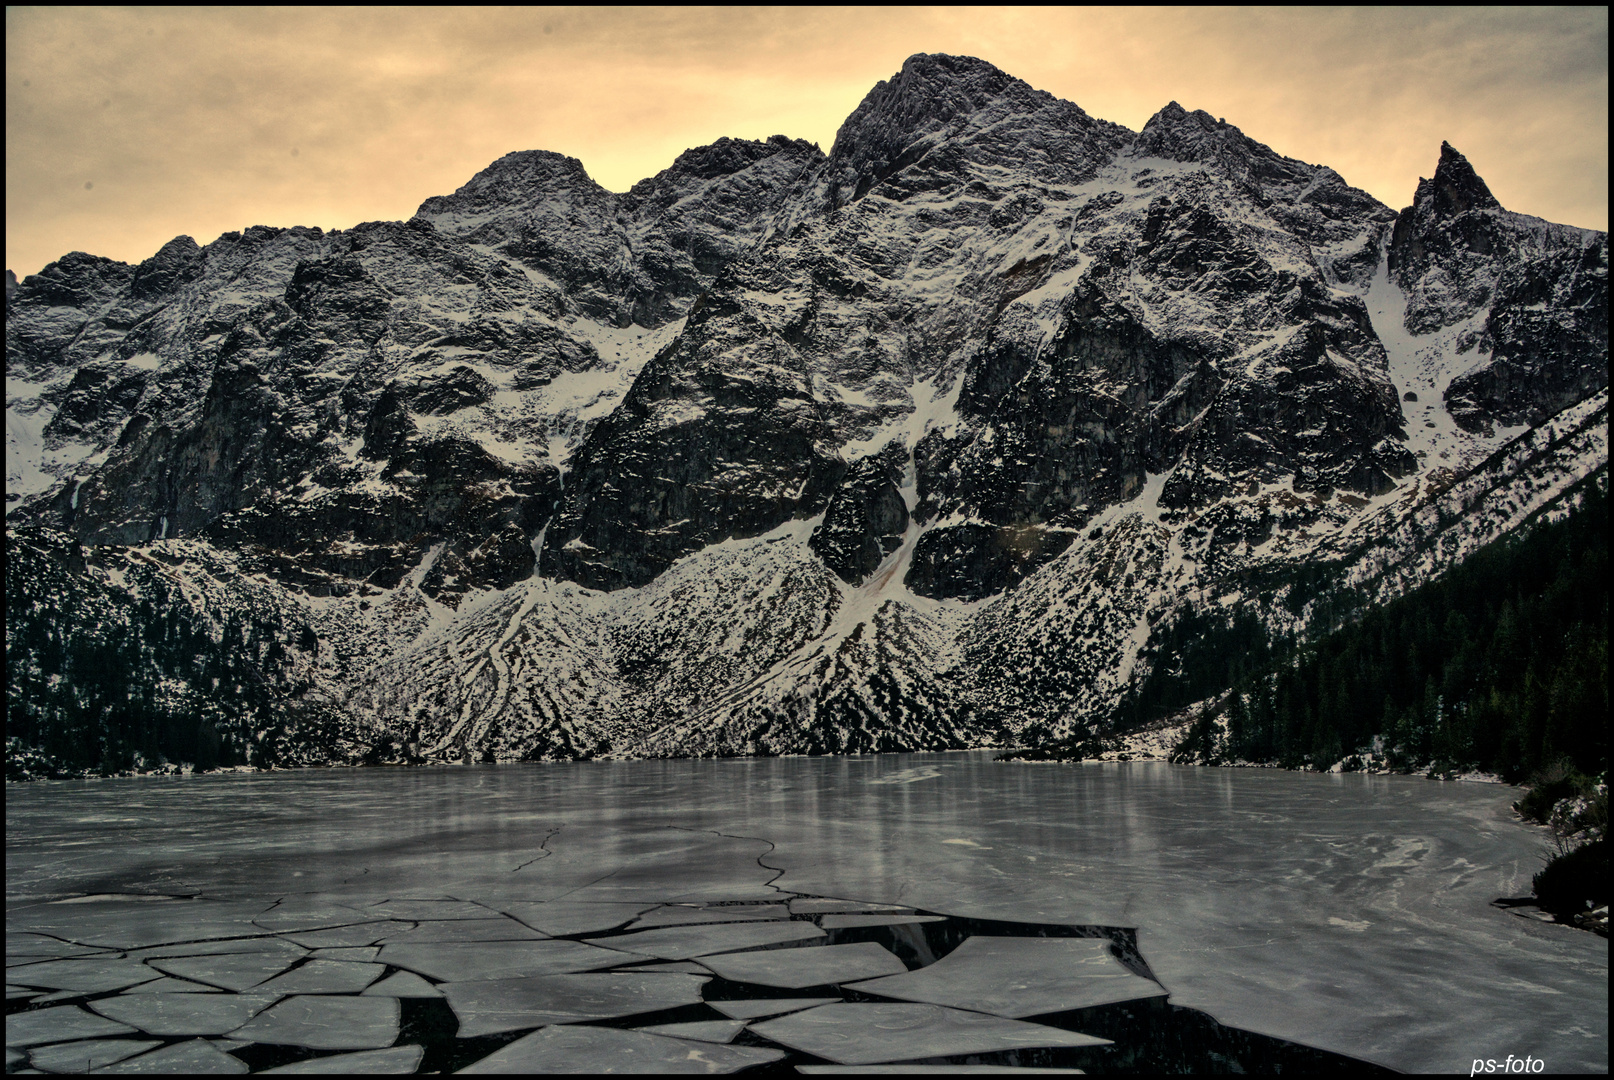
(683, 943)
(861, 1034)
(796, 969)
(595, 1049)
(327, 1023)
(490, 1006)
(1018, 977)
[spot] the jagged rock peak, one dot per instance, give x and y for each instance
(1176, 134)
(517, 178)
(1180, 135)
(1455, 189)
(931, 91)
(936, 99)
(728, 156)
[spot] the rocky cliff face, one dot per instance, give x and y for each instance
(916, 443)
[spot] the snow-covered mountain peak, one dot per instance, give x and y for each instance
(992, 376)
(523, 177)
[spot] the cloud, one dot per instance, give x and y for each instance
(202, 120)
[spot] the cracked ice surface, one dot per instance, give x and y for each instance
(1348, 912)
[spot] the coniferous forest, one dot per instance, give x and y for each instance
(1501, 665)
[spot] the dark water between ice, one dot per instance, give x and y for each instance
(1346, 913)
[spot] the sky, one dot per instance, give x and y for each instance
(126, 127)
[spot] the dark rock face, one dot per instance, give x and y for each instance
(972, 561)
(1541, 288)
(720, 437)
(864, 521)
(1014, 355)
(640, 257)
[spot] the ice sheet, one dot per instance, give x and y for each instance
(482, 929)
(171, 985)
(266, 945)
(931, 1070)
(27, 948)
(360, 953)
(340, 937)
(327, 1023)
(847, 922)
(238, 971)
(498, 1005)
(1019, 977)
(751, 1008)
(58, 1024)
(184, 1014)
(855, 1034)
(456, 962)
(795, 969)
(813, 905)
(325, 977)
(76, 1057)
(594, 1049)
(718, 1031)
(127, 924)
(181, 1059)
(686, 915)
(563, 917)
(395, 1060)
(405, 984)
(86, 976)
(686, 942)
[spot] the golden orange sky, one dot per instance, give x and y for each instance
(128, 126)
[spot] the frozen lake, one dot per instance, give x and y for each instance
(337, 909)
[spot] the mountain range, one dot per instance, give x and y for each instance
(928, 442)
